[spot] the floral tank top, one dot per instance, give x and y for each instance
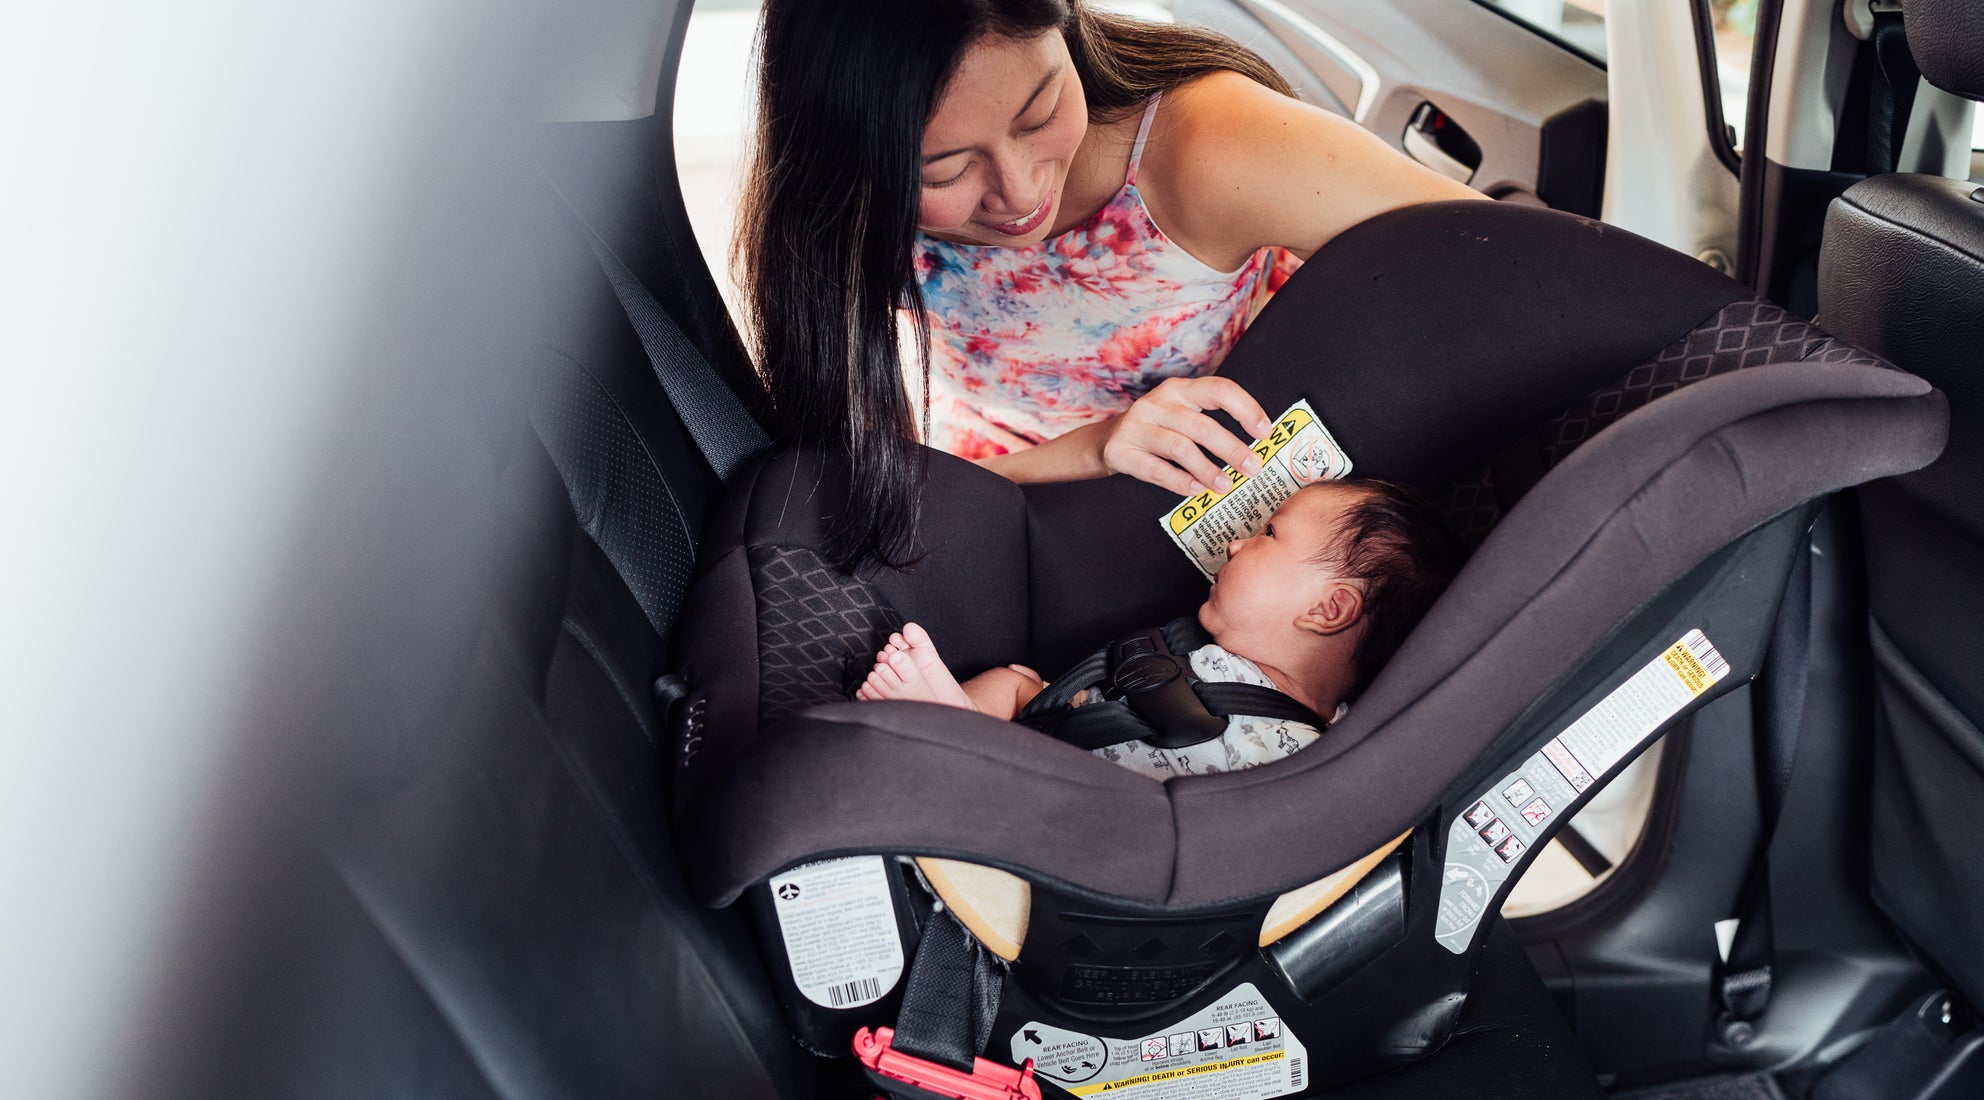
(1029, 343)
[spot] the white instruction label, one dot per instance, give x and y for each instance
(1299, 451)
(840, 930)
(1610, 730)
(1488, 839)
(1233, 1049)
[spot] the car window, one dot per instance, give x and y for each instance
(1578, 24)
(1735, 31)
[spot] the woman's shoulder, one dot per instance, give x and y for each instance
(1235, 166)
(1220, 117)
(1211, 159)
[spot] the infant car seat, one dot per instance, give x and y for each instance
(1277, 930)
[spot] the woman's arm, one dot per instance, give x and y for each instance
(1233, 167)
(1158, 439)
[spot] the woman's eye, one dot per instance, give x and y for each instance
(947, 181)
(1044, 123)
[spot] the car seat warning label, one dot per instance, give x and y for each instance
(840, 930)
(1233, 1049)
(1298, 452)
(1489, 837)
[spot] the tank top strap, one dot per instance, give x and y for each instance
(1143, 134)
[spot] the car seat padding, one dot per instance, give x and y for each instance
(1616, 523)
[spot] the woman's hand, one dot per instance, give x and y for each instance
(1159, 439)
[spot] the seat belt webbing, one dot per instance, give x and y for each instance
(1896, 78)
(949, 995)
(1745, 986)
(726, 434)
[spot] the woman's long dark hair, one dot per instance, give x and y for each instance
(828, 222)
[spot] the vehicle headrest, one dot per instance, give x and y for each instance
(1947, 39)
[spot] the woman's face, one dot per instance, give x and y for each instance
(997, 148)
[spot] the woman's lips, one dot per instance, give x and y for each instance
(1033, 221)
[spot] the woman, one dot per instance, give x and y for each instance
(995, 172)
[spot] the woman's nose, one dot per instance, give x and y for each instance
(1014, 190)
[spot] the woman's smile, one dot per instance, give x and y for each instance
(1029, 222)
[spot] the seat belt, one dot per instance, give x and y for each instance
(950, 997)
(722, 429)
(1896, 79)
(1745, 985)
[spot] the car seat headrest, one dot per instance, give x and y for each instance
(1946, 38)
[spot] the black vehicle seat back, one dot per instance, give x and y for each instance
(1902, 274)
(495, 905)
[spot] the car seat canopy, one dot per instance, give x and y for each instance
(1619, 520)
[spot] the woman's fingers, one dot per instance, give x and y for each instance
(1182, 448)
(1233, 398)
(1145, 466)
(1165, 436)
(1190, 398)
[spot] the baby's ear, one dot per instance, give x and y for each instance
(1340, 608)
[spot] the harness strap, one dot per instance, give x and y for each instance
(1151, 695)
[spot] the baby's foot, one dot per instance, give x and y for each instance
(909, 668)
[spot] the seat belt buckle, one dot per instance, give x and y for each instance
(893, 1069)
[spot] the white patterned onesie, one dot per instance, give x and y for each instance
(1247, 742)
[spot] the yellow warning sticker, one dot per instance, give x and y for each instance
(1298, 451)
(1689, 665)
(1235, 1048)
(1178, 1074)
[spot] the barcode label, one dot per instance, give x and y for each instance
(1295, 1072)
(855, 993)
(1698, 647)
(838, 923)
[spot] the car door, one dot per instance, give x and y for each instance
(1513, 106)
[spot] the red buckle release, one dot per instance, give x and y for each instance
(986, 1081)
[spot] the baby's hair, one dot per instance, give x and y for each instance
(1396, 542)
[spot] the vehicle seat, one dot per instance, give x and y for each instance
(1901, 273)
(1472, 349)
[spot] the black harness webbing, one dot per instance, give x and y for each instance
(1149, 693)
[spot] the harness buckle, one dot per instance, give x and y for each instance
(987, 1080)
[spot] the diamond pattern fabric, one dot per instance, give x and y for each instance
(1743, 334)
(818, 630)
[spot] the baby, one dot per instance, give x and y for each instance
(1313, 606)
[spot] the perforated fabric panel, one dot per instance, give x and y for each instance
(1743, 334)
(617, 488)
(818, 630)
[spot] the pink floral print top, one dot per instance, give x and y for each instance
(1029, 343)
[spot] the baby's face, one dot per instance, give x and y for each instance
(1271, 579)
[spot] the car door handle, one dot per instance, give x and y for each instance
(1437, 141)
